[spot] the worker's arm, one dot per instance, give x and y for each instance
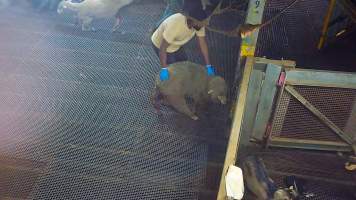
(204, 49)
(205, 52)
(163, 74)
(163, 53)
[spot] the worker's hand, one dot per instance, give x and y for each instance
(164, 74)
(210, 70)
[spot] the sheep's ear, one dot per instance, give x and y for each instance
(210, 92)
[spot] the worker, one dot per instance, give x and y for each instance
(177, 30)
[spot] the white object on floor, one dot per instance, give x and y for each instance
(234, 183)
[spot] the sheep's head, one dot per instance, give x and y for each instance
(217, 89)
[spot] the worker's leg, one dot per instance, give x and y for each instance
(180, 55)
(118, 19)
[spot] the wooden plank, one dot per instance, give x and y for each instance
(321, 78)
(234, 139)
(260, 66)
(268, 93)
(253, 96)
(290, 64)
(318, 114)
(309, 144)
(254, 16)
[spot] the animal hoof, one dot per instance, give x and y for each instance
(195, 118)
(114, 29)
(158, 112)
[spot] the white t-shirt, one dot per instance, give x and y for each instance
(176, 32)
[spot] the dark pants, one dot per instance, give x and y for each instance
(177, 56)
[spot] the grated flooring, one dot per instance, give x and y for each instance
(295, 36)
(79, 102)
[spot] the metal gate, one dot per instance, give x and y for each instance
(315, 110)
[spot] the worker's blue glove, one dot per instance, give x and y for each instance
(164, 74)
(210, 70)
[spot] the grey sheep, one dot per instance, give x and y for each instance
(188, 80)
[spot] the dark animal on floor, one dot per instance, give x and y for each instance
(188, 80)
(256, 178)
(88, 10)
(258, 181)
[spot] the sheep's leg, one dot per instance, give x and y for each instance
(180, 104)
(86, 23)
(117, 23)
(156, 97)
(164, 101)
(118, 19)
(76, 20)
(196, 102)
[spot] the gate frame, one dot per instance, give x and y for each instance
(247, 51)
(316, 78)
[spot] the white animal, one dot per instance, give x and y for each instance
(94, 9)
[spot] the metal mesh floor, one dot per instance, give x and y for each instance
(323, 173)
(79, 102)
(296, 33)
